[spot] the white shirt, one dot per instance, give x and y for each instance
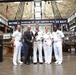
(17, 35)
(57, 36)
(47, 38)
(39, 36)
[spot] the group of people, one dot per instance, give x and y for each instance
(37, 40)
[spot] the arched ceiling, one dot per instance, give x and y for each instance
(66, 9)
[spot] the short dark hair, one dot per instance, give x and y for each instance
(57, 25)
(37, 25)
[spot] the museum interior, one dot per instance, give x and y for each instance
(44, 13)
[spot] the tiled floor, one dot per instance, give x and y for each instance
(67, 68)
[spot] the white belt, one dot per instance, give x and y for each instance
(17, 40)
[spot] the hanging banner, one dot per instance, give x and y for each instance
(56, 21)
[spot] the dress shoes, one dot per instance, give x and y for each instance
(35, 63)
(59, 63)
(27, 63)
(56, 62)
(15, 64)
(41, 62)
(20, 62)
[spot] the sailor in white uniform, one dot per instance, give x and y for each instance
(37, 45)
(47, 45)
(58, 38)
(16, 38)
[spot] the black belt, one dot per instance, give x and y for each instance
(37, 40)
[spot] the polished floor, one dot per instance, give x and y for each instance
(68, 67)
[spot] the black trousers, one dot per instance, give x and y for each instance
(27, 53)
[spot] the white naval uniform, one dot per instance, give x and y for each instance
(47, 45)
(17, 49)
(37, 45)
(57, 38)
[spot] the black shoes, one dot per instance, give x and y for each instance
(27, 63)
(41, 62)
(35, 63)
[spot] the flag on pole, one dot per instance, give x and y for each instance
(7, 11)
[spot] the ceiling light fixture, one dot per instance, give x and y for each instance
(17, 2)
(59, 1)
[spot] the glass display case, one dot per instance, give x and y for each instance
(69, 40)
(70, 36)
(7, 37)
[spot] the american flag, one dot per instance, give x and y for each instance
(7, 11)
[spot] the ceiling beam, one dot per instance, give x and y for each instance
(15, 0)
(23, 0)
